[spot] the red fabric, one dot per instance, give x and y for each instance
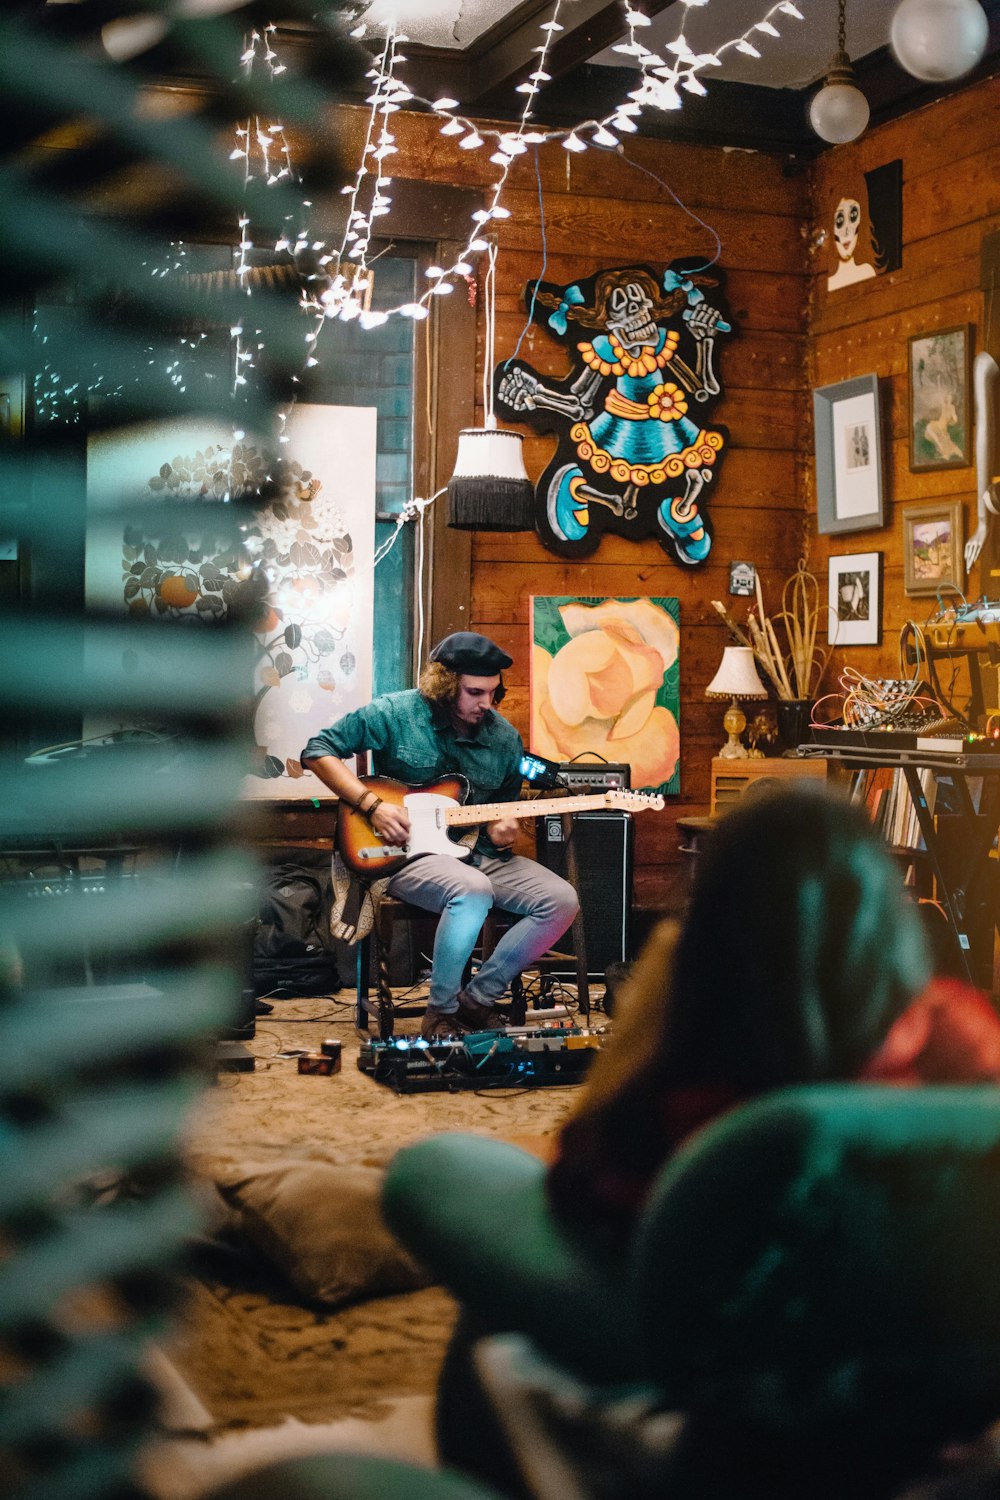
(950, 1034)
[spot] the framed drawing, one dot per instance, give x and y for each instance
(939, 368)
(933, 547)
(742, 578)
(854, 617)
(848, 456)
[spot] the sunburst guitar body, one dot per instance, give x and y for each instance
(437, 807)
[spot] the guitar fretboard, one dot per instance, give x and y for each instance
(490, 812)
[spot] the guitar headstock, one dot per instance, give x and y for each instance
(625, 801)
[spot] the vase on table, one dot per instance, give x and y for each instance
(794, 715)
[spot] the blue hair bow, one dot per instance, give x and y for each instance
(572, 297)
(672, 282)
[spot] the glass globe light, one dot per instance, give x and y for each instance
(937, 40)
(839, 111)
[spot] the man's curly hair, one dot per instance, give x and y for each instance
(439, 684)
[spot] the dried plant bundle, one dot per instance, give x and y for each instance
(797, 672)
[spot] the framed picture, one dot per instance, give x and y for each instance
(742, 578)
(933, 547)
(605, 681)
(854, 617)
(939, 385)
(848, 456)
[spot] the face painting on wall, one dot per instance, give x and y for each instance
(866, 235)
(605, 682)
(636, 449)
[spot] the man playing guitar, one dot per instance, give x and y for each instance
(447, 725)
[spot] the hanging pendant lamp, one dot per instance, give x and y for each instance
(839, 111)
(490, 489)
(938, 40)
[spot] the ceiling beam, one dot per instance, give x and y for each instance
(506, 53)
(483, 77)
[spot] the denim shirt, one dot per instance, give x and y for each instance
(411, 742)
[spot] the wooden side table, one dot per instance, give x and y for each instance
(730, 778)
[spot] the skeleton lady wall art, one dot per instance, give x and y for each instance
(637, 446)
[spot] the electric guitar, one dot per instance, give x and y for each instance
(436, 807)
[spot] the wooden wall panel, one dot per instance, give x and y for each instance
(773, 218)
(951, 200)
(601, 211)
(793, 335)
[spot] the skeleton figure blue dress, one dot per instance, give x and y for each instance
(631, 443)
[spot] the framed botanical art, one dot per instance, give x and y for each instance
(854, 616)
(605, 682)
(313, 546)
(848, 456)
(933, 547)
(940, 380)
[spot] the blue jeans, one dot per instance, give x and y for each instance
(463, 894)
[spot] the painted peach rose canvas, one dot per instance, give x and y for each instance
(605, 682)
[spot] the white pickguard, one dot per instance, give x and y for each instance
(428, 829)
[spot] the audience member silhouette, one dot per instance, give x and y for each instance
(800, 960)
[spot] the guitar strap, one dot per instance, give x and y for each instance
(355, 902)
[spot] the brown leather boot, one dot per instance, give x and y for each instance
(440, 1025)
(474, 1016)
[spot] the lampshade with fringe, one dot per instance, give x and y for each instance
(490, 489)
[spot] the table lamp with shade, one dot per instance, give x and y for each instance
(736, 678)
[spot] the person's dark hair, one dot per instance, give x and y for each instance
(799, 949)
(798, 952)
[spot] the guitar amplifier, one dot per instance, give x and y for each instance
(602, 775)
(604, 843)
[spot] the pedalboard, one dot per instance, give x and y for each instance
(528, 1058)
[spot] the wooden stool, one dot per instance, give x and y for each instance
(384, 1007)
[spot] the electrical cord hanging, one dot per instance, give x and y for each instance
(489, 334)
(545, 261)
(691, 270)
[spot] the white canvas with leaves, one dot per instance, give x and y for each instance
(315, 544)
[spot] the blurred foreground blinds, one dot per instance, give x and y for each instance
(112, 987)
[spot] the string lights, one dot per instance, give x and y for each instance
(345, 286)
(662, 77)
(263, 148)
(346, 294)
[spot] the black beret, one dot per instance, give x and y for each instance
(474, 654)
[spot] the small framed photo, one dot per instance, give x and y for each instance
(933, 547)
(854, 617)
(848, 455)
(940, 380)
(742, 578)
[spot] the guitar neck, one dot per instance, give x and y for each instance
(491, 812)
